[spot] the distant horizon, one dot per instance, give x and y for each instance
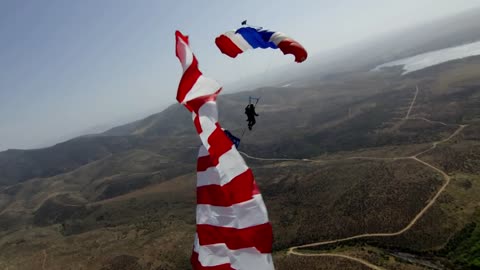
(79, 69)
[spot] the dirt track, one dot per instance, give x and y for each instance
(45, 256)
(292, 250)
(413, 102)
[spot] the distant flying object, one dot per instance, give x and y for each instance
(233, 43)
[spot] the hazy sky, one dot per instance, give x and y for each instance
(67, 66)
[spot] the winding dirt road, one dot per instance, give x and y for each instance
(293, 250)
(45, 256)
(434, 145)
(428, 120)
(411, 104)
(372, 266)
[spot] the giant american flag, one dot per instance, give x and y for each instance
(233, 230)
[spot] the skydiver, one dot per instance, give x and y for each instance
(250, 112)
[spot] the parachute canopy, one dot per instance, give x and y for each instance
(233, 43)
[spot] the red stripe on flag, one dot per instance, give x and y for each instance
(178, 34)
(259, 236)
(239, 189)
(196, 122)
(256, 190)
(198, 266)
(205, 162)
(219, 143)
(195, 104)
(190, 76)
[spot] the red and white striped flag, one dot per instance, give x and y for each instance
(233, 230)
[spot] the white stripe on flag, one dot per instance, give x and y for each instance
(241, 215)
(208, 177)
(185, 54)
(203, 87)
(241, 259)
(208, 116)
(202, 152)
(230, 165)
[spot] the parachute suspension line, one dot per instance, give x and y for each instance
(250, 98)
(270, 61)
(267, 68)
(243, 133)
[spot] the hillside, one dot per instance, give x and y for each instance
(358, 169)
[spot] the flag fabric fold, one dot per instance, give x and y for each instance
(233, 229)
